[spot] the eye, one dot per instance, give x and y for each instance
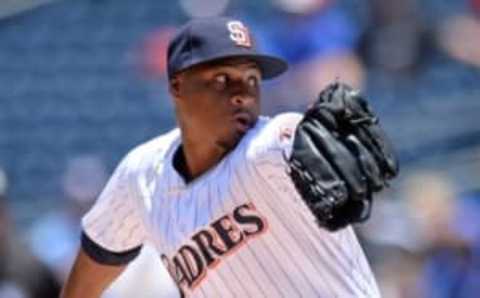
(220, 81)
(253, 81)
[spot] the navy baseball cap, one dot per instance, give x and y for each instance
(211, 39)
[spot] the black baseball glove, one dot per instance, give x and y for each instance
(340, 157)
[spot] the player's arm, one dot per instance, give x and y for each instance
(113, 234)
(95, 268)
(88, 278)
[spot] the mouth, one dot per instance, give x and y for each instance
(243, 121)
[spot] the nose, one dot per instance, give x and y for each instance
(240, 99)
(242, 95)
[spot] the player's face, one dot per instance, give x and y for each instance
(220, 100)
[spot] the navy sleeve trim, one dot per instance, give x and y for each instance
(106, 257)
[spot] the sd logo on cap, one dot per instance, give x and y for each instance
(209, 39)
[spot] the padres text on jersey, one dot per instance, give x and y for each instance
(239, 230)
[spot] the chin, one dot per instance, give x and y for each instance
(230, 142)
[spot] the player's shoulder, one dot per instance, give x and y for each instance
(146, 154)
(272, 133)
(276, 128)
(287, 119)
(269, 125)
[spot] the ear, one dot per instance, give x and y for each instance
(174, 86)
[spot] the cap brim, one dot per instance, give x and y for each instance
(270, 66)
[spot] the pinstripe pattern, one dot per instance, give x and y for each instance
(293, 241)
(238, 285)
(286, 244)
(339, 255)
(239, 230)
(292, 290)
(237, 288)
(110, 223)
(298, 241)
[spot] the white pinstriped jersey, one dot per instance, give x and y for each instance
(239, 230)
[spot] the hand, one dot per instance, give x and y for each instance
(340, 157)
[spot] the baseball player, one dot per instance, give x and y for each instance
(237, 204)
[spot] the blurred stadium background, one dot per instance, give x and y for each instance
(82, 82)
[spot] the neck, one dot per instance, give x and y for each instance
(200, 156)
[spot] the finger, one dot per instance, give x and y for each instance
(376, 141)
(305, 150)
(325, 116)
(332, 99)
(386, 151)
(340, 157)
(367, 163)
(357, 106)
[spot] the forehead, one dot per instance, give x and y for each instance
(232, 64)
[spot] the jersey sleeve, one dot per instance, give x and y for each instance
(115, 222)
(269, 152)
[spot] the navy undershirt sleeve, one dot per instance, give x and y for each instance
(106, 257)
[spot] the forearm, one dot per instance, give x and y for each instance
(88, 279)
